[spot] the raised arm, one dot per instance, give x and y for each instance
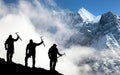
(59, 53)
(39, 43)
(16, 38)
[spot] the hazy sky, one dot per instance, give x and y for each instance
(96, 7)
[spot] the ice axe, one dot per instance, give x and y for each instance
(18, 35)
(43, 41)
(61, 55)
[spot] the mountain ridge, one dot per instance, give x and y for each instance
(90, 34)
(14, 68)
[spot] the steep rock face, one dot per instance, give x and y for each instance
(98, 35)
(104, 36)
(109, 28)
(91, 30)
(109, 22)
(86, 27)
(107, 18)
(107, 41)
(75, 18)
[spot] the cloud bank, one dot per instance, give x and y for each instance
(33, 19)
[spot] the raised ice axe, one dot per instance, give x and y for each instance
(18, 35)
(43, 41)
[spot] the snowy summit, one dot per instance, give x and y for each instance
(87, 16)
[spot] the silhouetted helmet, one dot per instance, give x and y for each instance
(31, 40)
(10, 36)
(54, 45)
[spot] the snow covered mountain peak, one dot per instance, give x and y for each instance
(87, 16)
(104, 34)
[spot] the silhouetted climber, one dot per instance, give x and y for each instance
(52, 53)
(30, 51)
(9, 46)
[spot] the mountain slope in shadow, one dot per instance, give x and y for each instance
(13, 68)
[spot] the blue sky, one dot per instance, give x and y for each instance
(10, 1)
(96, 7)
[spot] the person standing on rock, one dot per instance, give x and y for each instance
(30, 51)
(52, 53)
(9, 46)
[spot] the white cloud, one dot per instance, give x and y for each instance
(33, 20)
